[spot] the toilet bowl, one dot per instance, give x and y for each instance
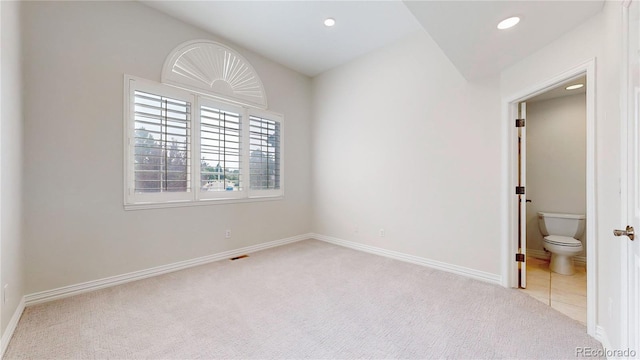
(561, 233)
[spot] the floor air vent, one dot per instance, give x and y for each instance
(239, 257)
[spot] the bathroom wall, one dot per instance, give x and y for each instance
(556, 161)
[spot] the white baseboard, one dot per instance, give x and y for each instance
(11, 328)
(66, 291)
(601, 335)
(541, 254)
(460, 270)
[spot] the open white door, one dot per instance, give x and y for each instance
(631, 193)
(632, 243)
(522, 198)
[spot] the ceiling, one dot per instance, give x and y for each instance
(292, 33)
(466, 30)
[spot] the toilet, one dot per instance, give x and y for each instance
(561, 233)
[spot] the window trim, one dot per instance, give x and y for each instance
(195, 197)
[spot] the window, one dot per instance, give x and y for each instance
(264, 166)
(161, 143)
(221, 151)
(186, 149)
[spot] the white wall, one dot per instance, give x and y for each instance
(11, 247)
(599, 37)
(76, 230)
(556, 161)
(403, 142)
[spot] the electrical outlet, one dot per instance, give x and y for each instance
(382, 233)
(4, 293)
(227, 234)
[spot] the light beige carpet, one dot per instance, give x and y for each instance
(304, 300)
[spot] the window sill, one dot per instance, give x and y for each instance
(208, 202)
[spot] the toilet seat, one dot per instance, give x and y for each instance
(562, 241)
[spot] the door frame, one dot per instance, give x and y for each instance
(510, 200)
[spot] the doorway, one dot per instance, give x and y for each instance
(555, 173)
(515, 241)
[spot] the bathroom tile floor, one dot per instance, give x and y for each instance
(567, 294)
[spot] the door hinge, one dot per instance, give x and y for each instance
(520, 257)
(519, 190)
(519, 122)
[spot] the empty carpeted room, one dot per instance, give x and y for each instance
(310, 179)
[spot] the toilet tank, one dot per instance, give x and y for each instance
(561, 224)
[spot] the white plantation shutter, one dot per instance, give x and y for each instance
(161, 143)
(220, 150)
(264, 153)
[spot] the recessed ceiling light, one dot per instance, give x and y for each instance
(507, 23)
(329, 22)
(573, 87)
